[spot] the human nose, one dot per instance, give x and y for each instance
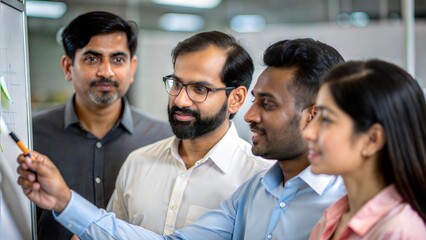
(183, 99)
(105, 70)
(252, 115)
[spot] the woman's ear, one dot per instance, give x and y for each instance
(236, 99)
(375, 140)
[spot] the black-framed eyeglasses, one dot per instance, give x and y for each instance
(196, 92)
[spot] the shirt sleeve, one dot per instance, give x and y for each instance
(89, 222)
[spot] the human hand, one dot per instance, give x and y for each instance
(74, 237)
(48, 190)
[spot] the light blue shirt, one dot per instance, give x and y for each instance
(262, 208)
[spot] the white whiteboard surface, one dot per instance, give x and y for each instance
(15, 210)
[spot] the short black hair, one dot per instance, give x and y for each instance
(238, 68)
(311, 59)
(79, 31)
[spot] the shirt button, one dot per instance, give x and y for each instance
(70, 225)
(173, 207)
(282, 204)
(269, 236)
(98, 180)
(98, 144)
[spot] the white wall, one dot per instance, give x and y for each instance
(48, 84)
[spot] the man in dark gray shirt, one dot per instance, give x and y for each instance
(90, 136)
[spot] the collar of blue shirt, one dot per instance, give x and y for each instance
(272, 180)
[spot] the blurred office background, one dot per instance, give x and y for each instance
(359, 29)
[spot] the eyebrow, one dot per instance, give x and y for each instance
(98, 54)
(325, 109)
(262, 94)
(200, 82)
(91, 52)
(120, 53)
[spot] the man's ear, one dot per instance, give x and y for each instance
(308, 114)
(66, 64)
(133, 67)
(236, 99)
(313, 110)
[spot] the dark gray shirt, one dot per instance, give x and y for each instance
(89, 165)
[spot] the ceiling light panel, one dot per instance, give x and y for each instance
(190, 3)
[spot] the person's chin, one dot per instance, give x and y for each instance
(257, 150)
(316, 169)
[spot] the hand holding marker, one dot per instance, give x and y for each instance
(3, 128)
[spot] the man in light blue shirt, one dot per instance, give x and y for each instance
(283, 202)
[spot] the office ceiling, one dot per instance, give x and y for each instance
(146, 13)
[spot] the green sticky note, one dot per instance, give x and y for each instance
(4, 90)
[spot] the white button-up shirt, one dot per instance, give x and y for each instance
(155, 190)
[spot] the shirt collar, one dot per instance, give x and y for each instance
(222, 151)
(374, 210)
(71, 117)
(126, 117)
(318, 182)
(173, 147)
(273, 178)
(219, 154)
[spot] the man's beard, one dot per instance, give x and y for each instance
(285, 144)
(106, 97)
(191, 130)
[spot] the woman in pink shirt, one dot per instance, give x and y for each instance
(371, 130)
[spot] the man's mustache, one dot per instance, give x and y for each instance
(254, 127)
(175, 109)
(104, 81)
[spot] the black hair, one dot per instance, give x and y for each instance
(311, 59)
(79, 32)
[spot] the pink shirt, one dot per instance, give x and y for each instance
(383, 217)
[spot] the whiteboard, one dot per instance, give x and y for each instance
(16, 211)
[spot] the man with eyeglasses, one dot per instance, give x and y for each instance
(168, 184)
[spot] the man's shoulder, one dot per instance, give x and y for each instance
(252, 185)
(256, 179)
(46, 116)
(152, 151)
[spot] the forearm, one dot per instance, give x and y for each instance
(88, 222)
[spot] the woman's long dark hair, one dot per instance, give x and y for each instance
(375, 91)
